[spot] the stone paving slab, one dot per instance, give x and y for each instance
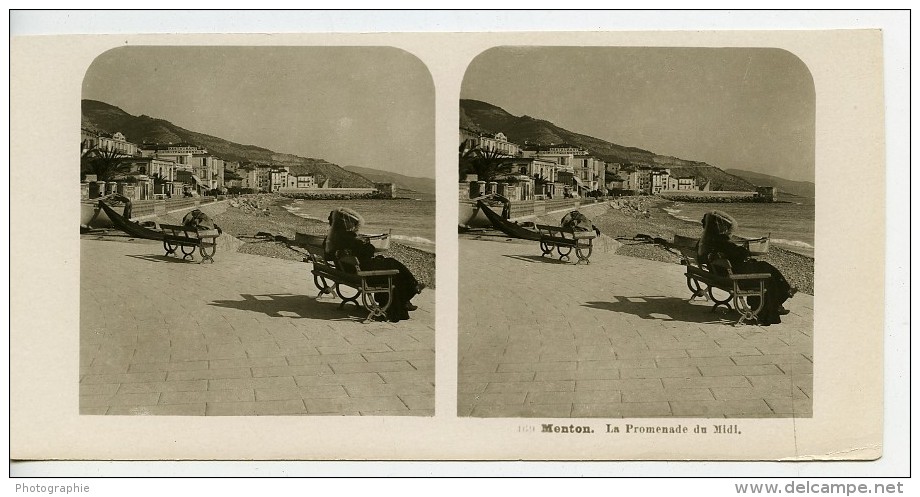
(242, 336)
(616, 338)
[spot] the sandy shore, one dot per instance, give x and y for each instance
(628, 217)
(243, 218)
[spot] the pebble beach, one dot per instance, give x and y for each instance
(627, 217)
(245, 218)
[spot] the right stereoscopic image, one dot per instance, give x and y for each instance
(636, 233)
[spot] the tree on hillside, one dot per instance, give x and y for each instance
(106, 164)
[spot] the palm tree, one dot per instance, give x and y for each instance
(468, 151)
(105, 164)
(486, 164)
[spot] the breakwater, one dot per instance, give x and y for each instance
(342, 195)
(715, 197)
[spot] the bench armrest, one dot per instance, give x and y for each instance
(381, 272)
(752, 276)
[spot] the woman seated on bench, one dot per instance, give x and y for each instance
(716, 244)
(343, 239)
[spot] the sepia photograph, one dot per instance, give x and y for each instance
(633, 276)
(257, 232)
(651, 212)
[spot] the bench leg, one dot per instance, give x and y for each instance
(345, 298)
(720, 302)
(187, 254)
(324, 287)
(207, 253)
(170, 249)
(563, 255)
(582, 255)
(698, 291)
(545, 248)
(747, 312)
(375, 310)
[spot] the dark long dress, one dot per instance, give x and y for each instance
(405, 286)
(777, 288)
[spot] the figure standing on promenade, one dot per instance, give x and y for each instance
(716, 243)
(126, 213)
(343, 238)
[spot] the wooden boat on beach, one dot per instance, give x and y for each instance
(92, 216)
(472, 216)
(130, 227)
(507, 227)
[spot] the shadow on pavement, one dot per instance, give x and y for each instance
(164, 258)
(540, 258)
(665, 309)
(294, 306)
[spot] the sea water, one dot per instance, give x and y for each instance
(412, 220)
(790, 222)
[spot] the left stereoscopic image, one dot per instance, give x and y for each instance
(257, 232)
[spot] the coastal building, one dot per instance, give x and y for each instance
(153, 167)
(88, 140)
(533, 176)
(638, 179)
(660, 180)
(566, 148)
(278, 177)
(686, 183)
(263, 177)
(498, 144)
(616, 185)
(116, 142)
(208, 169)
(590, 172)
(182, 156)
(301, 180)
(564, 160)
(766, 193)
(470, 137)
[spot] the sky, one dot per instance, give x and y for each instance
(353, 106)
(734, 108)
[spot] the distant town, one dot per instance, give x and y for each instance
(153, 171)
(490, 163)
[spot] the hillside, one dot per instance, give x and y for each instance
(421, 185)
(799, 188)
(485, 117)
(103, 117)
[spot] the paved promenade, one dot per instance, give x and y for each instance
(243, 336)
(616, 338)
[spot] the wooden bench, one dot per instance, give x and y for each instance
(330, 275)
(564, 240)
(702, 278)
(187, 239)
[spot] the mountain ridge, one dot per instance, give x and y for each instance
(793, 187)
(480, 116)
(104, 117)
(413, 183)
